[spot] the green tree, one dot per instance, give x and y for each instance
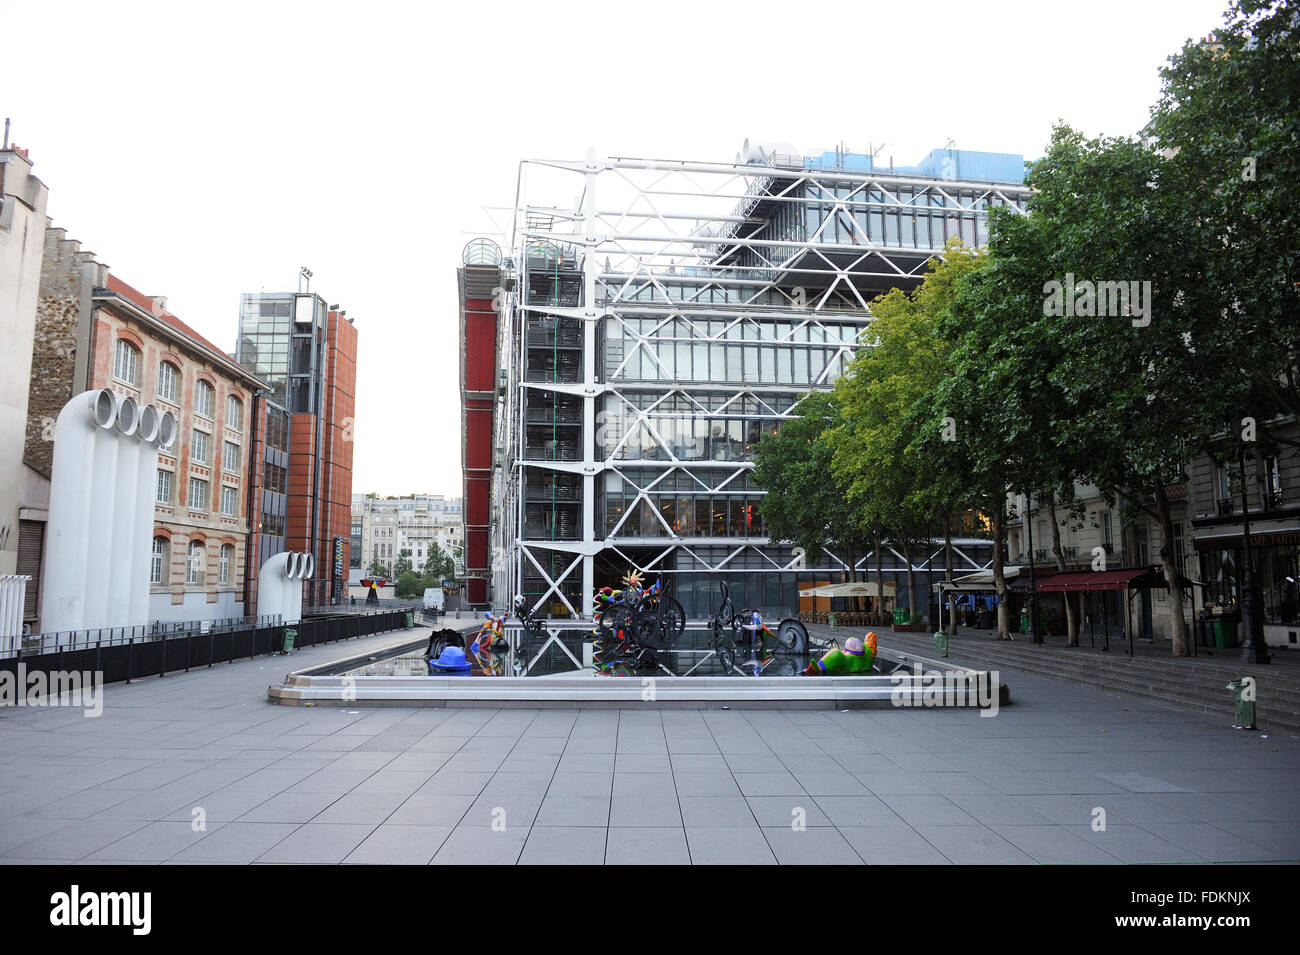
(1144, 389)
(377, 568)
(804, 504)
(438, 566)
(403, 564)
(1226, 123)
(903, 487)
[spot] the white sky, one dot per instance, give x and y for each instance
(206, 150)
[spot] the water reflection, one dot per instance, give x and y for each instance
(553, 660)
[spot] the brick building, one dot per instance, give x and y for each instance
(95, 331)
(305, 351)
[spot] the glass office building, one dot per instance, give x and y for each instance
(656, 324)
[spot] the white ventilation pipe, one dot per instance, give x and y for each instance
(99, 536)
(279, 585)
(13, 590)
(125, 494)
(155, 427)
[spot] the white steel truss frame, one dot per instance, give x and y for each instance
(673, 226)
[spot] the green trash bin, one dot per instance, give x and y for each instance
(1225, 632)
(900, 615)
(941, 643)
(1024, 623)
(833, 619)
(410, 619)
(1243, 694)
(288, 639)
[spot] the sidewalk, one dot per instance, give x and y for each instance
(1195, 684)
(397, 784)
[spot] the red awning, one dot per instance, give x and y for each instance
(1022, 583)
(1104, 580)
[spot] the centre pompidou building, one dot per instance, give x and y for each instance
(654, 318)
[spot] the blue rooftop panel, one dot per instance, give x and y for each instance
(938, 164)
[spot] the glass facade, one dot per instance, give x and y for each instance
(264, 340)
(704, 340)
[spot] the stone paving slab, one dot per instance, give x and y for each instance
(318, 785)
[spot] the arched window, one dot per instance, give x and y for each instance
(234, 413)
(158, 564)
(125, 358)
(203, 399)
(168, 377)
(194, 566)
(223, 563)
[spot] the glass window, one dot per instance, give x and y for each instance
(159, 560)
(891, 228)
(163, 494)
(200, 447)
(735, 358)
(230, 456)
(229, 501)
(198, 496)
(194, 566)
(234, 413)
(203, 399)
(167, 379)
(124, 361)
(223, 564)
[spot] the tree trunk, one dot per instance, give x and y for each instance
(947, 572)
(1168, 559)
(880, 578)
(998, 519)
(1071, 618)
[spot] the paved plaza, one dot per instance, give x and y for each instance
(279, 784)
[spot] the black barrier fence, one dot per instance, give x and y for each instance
(159, 655)
(52, 641)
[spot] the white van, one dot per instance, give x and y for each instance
(434, 599)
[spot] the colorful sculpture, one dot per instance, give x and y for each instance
(451, 662)
(854, 659)
(489, 643)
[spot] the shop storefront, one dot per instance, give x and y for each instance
(1277, 567)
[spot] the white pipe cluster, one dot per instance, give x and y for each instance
(100, 534)
(279, 585)
(13, 590)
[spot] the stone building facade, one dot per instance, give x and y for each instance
(386, 526)
(22, 230)
(96, 331)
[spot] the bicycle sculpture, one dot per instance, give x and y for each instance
(532, 637)
(634, 624)
(490, 645)
(734, 631)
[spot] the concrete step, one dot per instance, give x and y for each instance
(1185, 684)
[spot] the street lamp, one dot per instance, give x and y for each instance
(1034, 633)
(1254, 648)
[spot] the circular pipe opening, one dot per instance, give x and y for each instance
(150, 422)
(291, 567)
(166, 429)
(104, 410)
(308, 566)
(128, 416)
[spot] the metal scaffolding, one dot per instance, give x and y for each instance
(655, 326)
